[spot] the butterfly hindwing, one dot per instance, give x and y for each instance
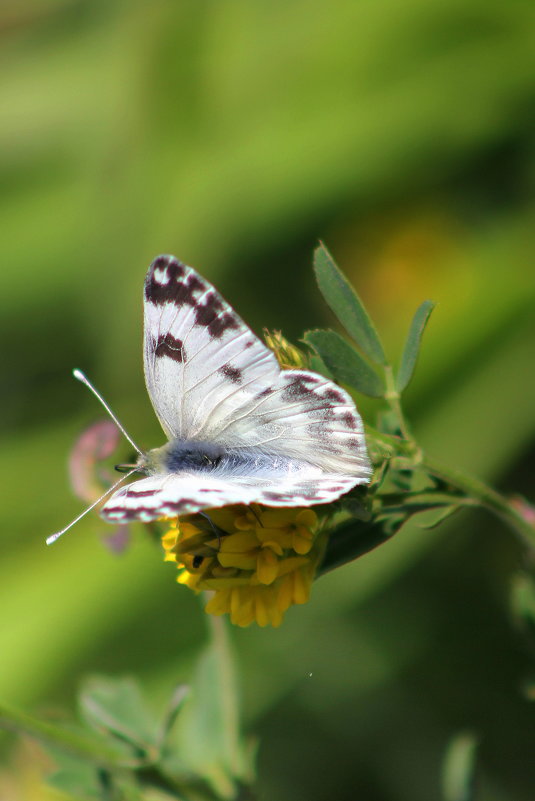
(306, 417)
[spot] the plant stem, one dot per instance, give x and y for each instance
(392, 397)
(486, 497)
(228, 694)
(472, 488)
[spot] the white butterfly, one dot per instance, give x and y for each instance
(240, 429)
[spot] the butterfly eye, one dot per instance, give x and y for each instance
(197, 561)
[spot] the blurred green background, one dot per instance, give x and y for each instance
(234, 134)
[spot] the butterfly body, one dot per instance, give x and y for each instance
(240, 429)
(190, 456)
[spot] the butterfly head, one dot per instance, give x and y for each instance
(181, 455)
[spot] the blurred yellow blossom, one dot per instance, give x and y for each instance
(255, 561)
(288, 356)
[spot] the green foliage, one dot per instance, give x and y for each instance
(523, 604)
(208, 738)
(412, 345)
(346, 304)
(80, 743)
(424, 485)
(458, 769)
(344, 363)
(118, 710)
(123, 751)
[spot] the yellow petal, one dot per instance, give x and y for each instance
(302, 584)
(190, 581)
(307, 518)
(301, 544)
(279, 517)
(224, 572)
(225, 517)
(273, 546)
(283, 536)
(267, 566)
(238, 543)
(241, 561)
(245, 522)
(285, 593)
(291, 563)
(188, 530)
(261, 611)
(169, 539)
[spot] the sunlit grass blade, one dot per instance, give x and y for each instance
(344, 363)
(412, 345)
(346, 305)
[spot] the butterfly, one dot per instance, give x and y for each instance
(240, 429)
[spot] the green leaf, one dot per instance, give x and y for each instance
(171, 713)
(412, 345)
(344, 363)
(458, 768)
(317, 365)
(80, 744)
(79, 779)
(350, 541)
(439, 517)
(346, 304)
(117, 706)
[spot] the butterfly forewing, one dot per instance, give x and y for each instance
(201, 360)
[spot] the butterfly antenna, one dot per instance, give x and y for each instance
(83, 378)
(57, 535)
(217, 531)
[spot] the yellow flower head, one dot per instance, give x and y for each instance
(256, 562)
(288, 356)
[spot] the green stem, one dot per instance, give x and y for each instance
(153, 777)
(238, 763)
(472, 488)
(227, 691)
(486, 497)
(392, 397)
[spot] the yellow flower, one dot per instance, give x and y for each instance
(256, 562)
(288, 356)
